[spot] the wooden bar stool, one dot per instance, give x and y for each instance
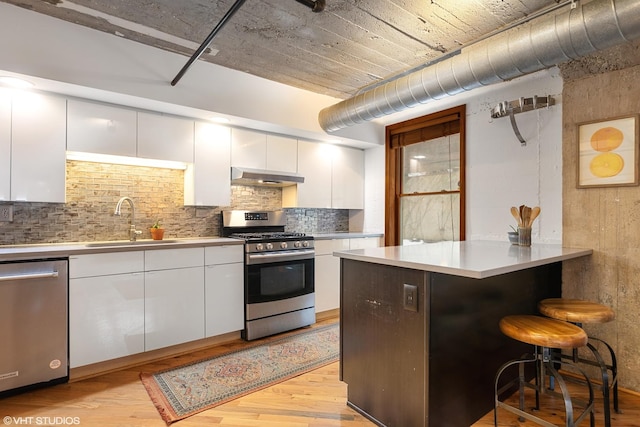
(544, 334)
(578, 312)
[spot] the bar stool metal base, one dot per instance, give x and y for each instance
(577, 312)
(544, 361)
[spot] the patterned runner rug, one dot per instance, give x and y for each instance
(180, 392)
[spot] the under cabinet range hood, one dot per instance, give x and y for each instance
(259, 177)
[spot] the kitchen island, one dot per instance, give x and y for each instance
(420, 343)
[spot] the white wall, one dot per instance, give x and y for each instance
(500, 172)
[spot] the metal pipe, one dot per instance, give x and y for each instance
(457, 51)
(207, 41)
(316, 6)
(542, 44)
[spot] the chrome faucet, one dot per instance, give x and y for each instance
(133, 233)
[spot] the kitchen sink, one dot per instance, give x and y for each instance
(128, 243)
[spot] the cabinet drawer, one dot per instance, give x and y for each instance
(327, 247)
(364, 242)
(165, 259)
(105, 264)
(223, 254)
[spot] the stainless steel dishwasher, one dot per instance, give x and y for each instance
(33, 324)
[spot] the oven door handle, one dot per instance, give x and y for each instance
(253, 259)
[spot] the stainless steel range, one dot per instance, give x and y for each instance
(279, 270)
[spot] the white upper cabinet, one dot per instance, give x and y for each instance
(207, 181)
(333, 178)
(5, 145)
(101, 128)
(347, 179)
(314, 163)
(164, 137)
(282, 153)
(257, 150)
(248, 149)
(38, 141)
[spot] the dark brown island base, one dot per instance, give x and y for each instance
(420, 344)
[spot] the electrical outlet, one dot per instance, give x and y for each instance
(410, 297)
(6, 213)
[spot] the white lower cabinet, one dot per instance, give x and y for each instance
(174, 297)
(124, 303)
(224, 290)
(106, 306)
(327, 268)
(327, 273)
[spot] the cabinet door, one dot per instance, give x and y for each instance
(314, 163)
(100, 128)
(224, 298)
(282, 153)
(248, 149)
(38, 141)
(174, 307)
(347, 180)
(327, 273)
(5, 144)
(165, 137)
(106, 318)
(207, 181)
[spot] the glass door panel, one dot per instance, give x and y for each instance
(431, 166)
(429, 218)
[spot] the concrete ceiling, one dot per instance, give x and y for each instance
(351, 45)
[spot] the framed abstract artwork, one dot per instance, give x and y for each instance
(608, 152)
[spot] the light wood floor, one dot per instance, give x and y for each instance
(314, 399)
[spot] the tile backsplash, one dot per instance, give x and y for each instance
(93, 189)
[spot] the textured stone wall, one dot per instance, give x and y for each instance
(605, 219)
(93, 190)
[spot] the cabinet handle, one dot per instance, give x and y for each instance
(29, 276)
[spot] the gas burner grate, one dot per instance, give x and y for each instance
(267, 235)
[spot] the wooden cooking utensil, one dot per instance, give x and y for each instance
(534, 214)
(516, 214)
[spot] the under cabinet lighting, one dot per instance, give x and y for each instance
(15, 82)
(124, 160)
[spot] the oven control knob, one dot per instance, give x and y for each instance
(269, 246)
(259, 247)
(305, 244)
(297, 244)
(283, 245)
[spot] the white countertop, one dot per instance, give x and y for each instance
(345, 235)
(475, 258)
(51, 250)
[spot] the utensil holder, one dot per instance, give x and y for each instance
(524, 236)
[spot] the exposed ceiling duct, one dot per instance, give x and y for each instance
(541, 44)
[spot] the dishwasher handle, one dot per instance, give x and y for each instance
(28, 276)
